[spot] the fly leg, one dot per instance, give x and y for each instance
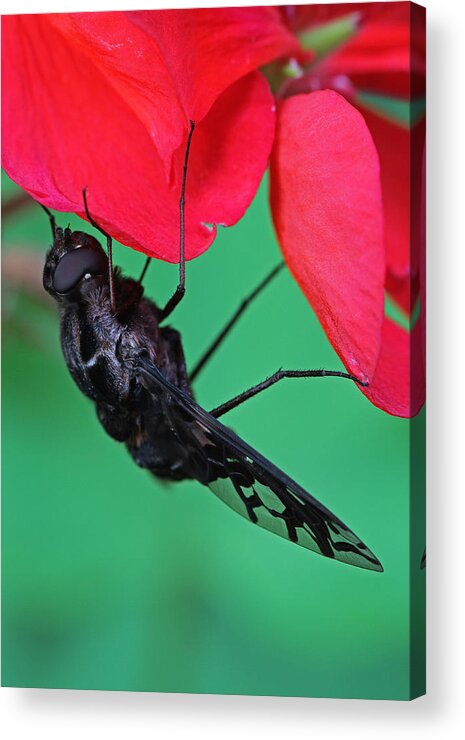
(275, 378)
(232, 321)
(178, 295)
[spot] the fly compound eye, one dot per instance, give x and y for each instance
(78, 264)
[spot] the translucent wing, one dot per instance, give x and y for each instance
(250, 484)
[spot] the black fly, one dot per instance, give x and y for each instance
(133, 369)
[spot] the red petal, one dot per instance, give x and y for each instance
(400, 151)
(231, 151)
(206, 50)
(300, 17)
(192, 56)
(376, 59)
(398, 385)
(132, 64)
(65, 126)
(387, 55)
(327, 209)
(393, 145)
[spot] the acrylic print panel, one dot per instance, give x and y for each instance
(269, 163)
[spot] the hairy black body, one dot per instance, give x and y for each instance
(100, 347)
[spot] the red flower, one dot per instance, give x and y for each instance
(104, 100)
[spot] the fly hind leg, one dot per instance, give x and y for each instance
(275, 378)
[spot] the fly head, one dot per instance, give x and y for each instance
(75, 262)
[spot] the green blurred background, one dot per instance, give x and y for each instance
(112, 580)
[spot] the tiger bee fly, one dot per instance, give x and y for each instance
(133, 369)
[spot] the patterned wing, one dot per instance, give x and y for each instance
(250, 484)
